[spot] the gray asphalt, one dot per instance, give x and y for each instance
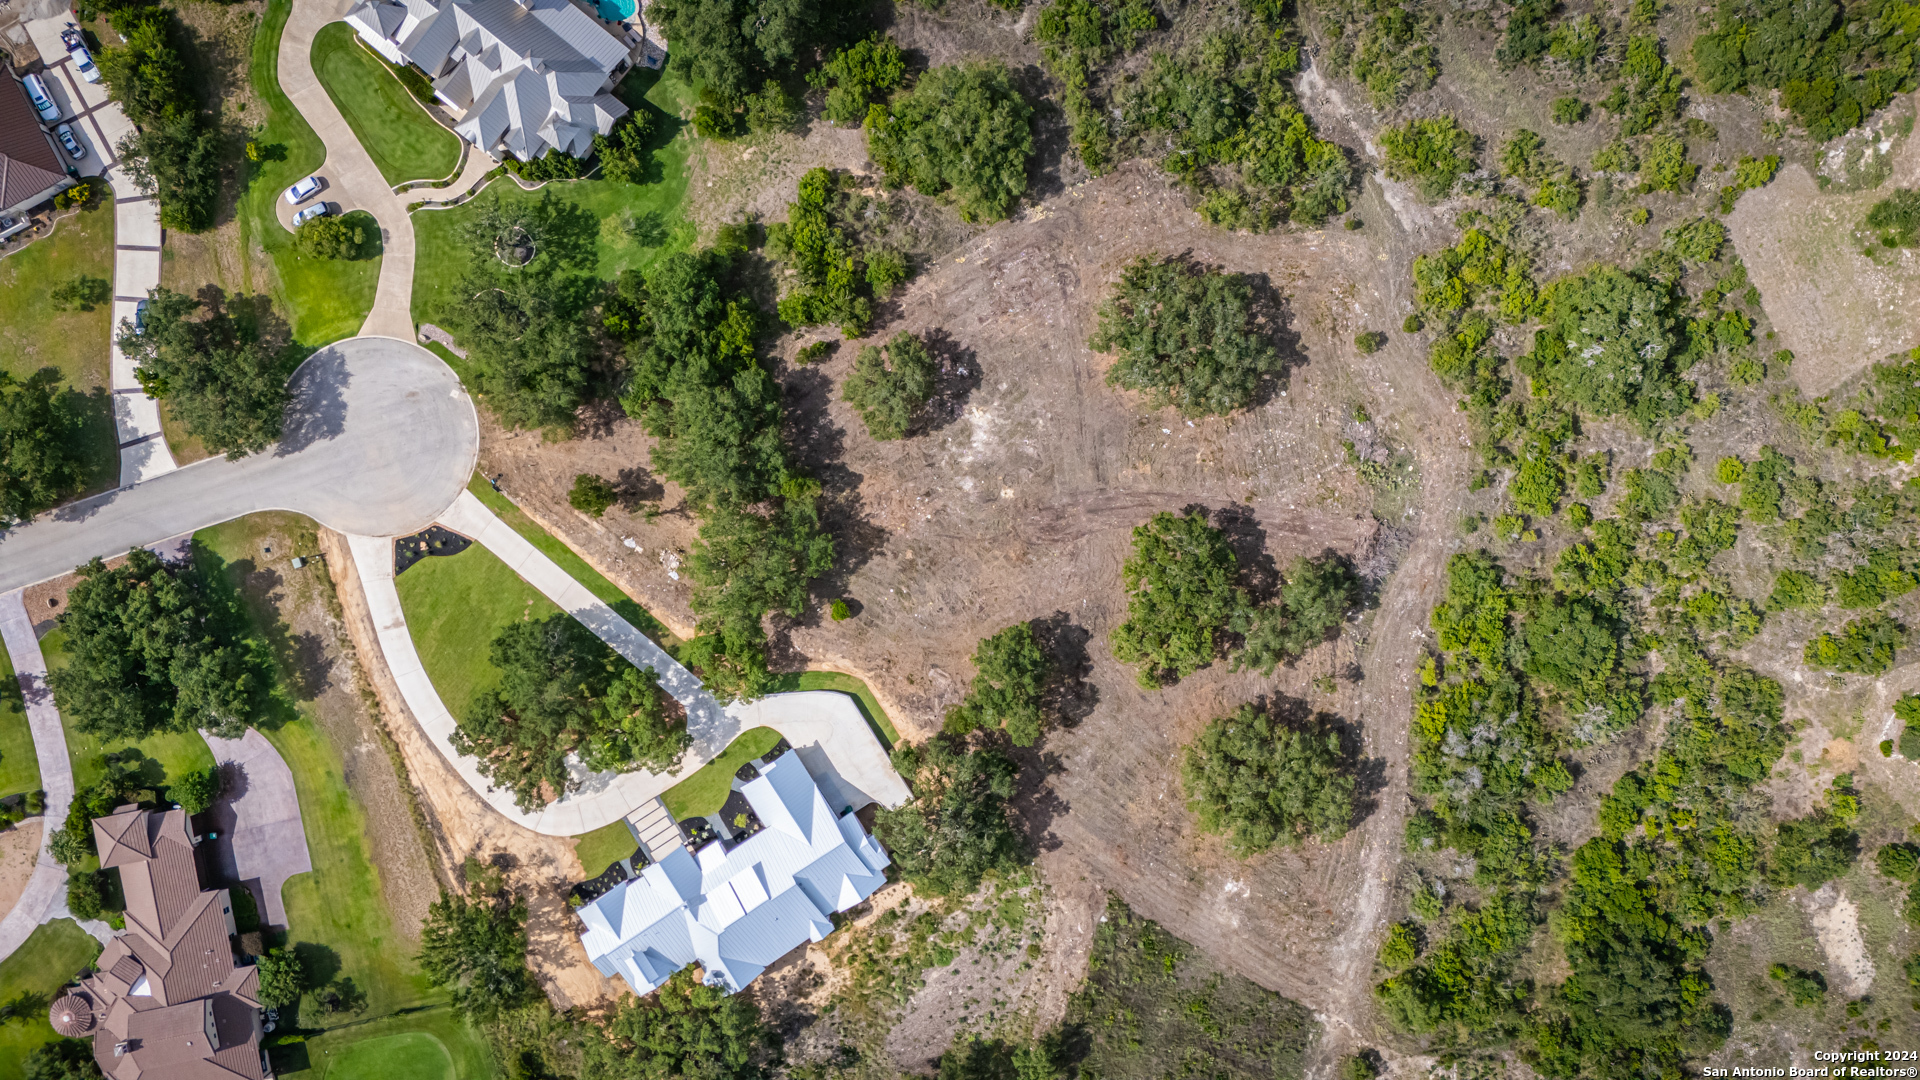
(379, 440)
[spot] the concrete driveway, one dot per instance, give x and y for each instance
(379, 441)
(262, 840)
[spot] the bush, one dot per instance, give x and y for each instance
(1386, 45)
(1865, 646)
(860, 74)
(1730, 470)
(1187, 336)
(1266, 781)
(283, 977)
(591, 495)
(1413, 324)
(82, 292)
(226, 384)
(199, 789)
(1433, 154)
(625, 157)
(827, 283)
(1313, 601)
(1895, 220)
(86, 894)
(43, 451)
(957, 829)
(840, 611)
(329, 237)
(688, 1029)
(1011, 671)
(1369, 342)
(62, 1059)
(1806, 988)
(1569, 110)
(963, 133)
(1907, 711)
(888, 388)
(1664, 167)
(1181, 593)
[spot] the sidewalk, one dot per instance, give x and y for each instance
(99, 124)
(46, 892)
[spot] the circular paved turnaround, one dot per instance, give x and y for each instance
(380, 438)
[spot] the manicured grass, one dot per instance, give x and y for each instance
(455, 604)
(338, 916)
(576, 567)
(33, 335)
(398, 134)
(442, 259)
(870, 709)
(324, 300)
(177, 753)
(604, 846)
(19, 767)
(705, 792)
(45, 962)
(430, 1044)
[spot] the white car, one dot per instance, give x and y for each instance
(303, 191)
(74, 149)
(82, 59)
(42, 101)
(311, 212)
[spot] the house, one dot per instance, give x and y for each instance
(167, 1002)
(31, 168)
(769, 881)
(520, 77)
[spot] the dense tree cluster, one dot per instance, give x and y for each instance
(889, 386)
(564, 692)
(1186, 335)
(958, 828)
(962, 133)
(150, 649)
(1266, 779)
(476, 949)
(175, 150)
(626, 153)
(224, 377)
(834, 279)
(1181, 594)
(688, 1029)
(1833, 64)
(858, 76)
(43, 455)
(1011, 672)
(1312, 602)
(1614, 343)
(732, 47)
(1385, 45)
(1433, 153)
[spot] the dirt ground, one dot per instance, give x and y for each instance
(19, 851)
(462, 825)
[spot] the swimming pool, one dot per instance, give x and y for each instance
(616, 10)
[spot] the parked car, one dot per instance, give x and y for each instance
(140, 317)
(42, 100)
(74, 149)
(311, 212)
(82, 59)
(303, 190)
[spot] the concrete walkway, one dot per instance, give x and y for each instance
(99, 125)
(826, 727)
(353, 180)
(46, 892)
(379, 439)
(263, 841)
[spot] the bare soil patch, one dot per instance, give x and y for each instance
(19, 852)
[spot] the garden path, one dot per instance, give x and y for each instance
(47, 889)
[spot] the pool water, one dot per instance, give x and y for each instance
(616, 10)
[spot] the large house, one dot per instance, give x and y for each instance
(769, 872)
(31, 169)
(521, 77)
(167, 1002)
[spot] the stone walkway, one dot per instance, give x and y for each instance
(827, 727)
(99, 124)
(46, 892)
(263, 841)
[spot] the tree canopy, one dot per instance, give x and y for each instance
(889, 386)
(1186, 335)
(958, 829)
(149, 650)
(175, 151)
(1433, 153)
(283, 978)
(563, 691)
(1180, 593)
(43, 454)
(224, 378)
(962, 132)
(730, 47)
(858, 75)
(688, 1030)
(477, 950)
(1312, 603)
(1010, 675)
(62, 1059)
(1833, 64)
(1265, 780)
(1614, 344)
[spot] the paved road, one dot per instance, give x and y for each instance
(826, 727)
(99, 125)
(379, 441)
(263, 841)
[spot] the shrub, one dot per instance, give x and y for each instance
(1386, 45)
(827, 283)
(1413, 324)
(591, 495)
(859, 74)
(283, 978)
(329, 237)
(1907, 711)
(1010, 671)
(1370, 341)
(1806, 988)
(1313, 601)
(1432, 153)
(687, 1029)
(1665, 166)
(963, 133)
(1730, 470)
(1697, 241)
(1181, 593)
(889, 387)
(1187, 336)
(624, 155)
(199, 789)
(1569, 110)
(840, 611)
(1865, 646)
(1267, 781)
(957, 829)
(1895, 220)
(1901, 862)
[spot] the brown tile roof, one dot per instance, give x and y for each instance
(28, 164)
(122, 837)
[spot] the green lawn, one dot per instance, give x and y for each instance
(705, 792)
(33, 335)
(45, 962)
(604, 846)
(454, 605)
(576, 567)
(430, 1044)
(402, 139)
(870, 709)
(325, 300)
(441, 259)
(176, 753)
(19, 767)
(337, 915)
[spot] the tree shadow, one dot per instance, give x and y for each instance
(1052, 136)
(1248, 540)
(319, 963)
(958, 378)
(1273, 317)
(316, 403)
(818, 448)
(1034, 798)
(569, 233)
(637, 485)
(1069, 696)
